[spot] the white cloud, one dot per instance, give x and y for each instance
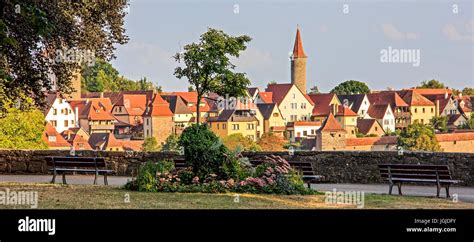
(393, 33)
(454, 34)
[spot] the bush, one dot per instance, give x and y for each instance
(171, 143)
(150, 144)
(239, 142)
(147, 175)
(203, 151)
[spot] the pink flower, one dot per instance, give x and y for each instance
(196, 180)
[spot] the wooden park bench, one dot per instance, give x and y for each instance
(396, 174)
(71, 164)
(307, 172)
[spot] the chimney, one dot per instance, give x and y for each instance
(437, 108)
(446, 95)
(101, 94)
(76, 117)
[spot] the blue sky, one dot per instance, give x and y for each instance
(339, 46)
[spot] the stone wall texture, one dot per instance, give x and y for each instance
(336, 166)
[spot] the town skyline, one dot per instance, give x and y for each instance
(443, 39)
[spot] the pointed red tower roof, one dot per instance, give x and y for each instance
(298, 51)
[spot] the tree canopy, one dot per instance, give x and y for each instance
(35, 34)
(351, 87)
(239, 142)
(207, 65)
(150, 144)
(419, 137)
(432, 84)
(102, 76)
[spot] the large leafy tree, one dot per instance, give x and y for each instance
(419, 137)
(468, 91)
(432, 84)
(351, 87)
(207, 65)
(238, 142)
(271, 142)
(34, 33)
(22, 129)
(102, 76)
(150, 144)
(440, 123)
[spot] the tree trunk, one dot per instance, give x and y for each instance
(198, 112)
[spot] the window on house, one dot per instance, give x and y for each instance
(55, 111)
(352, 131)
(416, 110)
(293, 118)
(454, 142)
(60, 101)
(298, 134)
(66, 123)
(235, 127)
(72, 122)
(294, 106)
(217, 126)
(294, 96)
(432, 110)
(52, 138)
(275, 114)
(147, 132)
(250, 126)
(376, 128)
(423, 110)
(422, 121)
(312, 131)
(54, 123)
(305, 133)
(303, 105)
(81, 146)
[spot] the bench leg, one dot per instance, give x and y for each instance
(54, 178)
(95, 179)
(399, 189)
(390, 186)
(447, 191)
(105, 179)
(438, 187)
(64, 178)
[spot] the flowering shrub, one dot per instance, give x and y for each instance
(273, 175)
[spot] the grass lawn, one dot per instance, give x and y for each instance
(96, 197)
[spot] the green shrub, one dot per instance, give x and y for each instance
(146, 180)
(203, 151)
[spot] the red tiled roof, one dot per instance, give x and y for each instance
(279, 91)
(377, 111)
(298, 51)
(331, 124)
(278, 128)
(79, 140)
(345, 111)
(49, 130)
(432, 91)
(449, 137)
(384, 140)
(135, 104)
(96, 109)
(191, 97)
(306, 123)
(364, 125)
(321, 103)
(160, 107)
(135, 145)
(413, 98)
(266, 97)
(387, 97)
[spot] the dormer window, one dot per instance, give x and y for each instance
(52, 138)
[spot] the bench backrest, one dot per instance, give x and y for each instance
(306, 168)
(72, 161)
(415, 171)
(179, 163)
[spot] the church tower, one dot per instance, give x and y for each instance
(76, 84)
(298, 64)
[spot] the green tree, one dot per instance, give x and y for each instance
(150, 144)
(239, 142)
(468, 91)
(208, 66)
(419, 137)
(469, 124)
(351, 87)
(440, 123)
(171, 143)
(432, 84)
(22, 129)
(271, 142)
(33, 41)
(191, 89)
(314, 90)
